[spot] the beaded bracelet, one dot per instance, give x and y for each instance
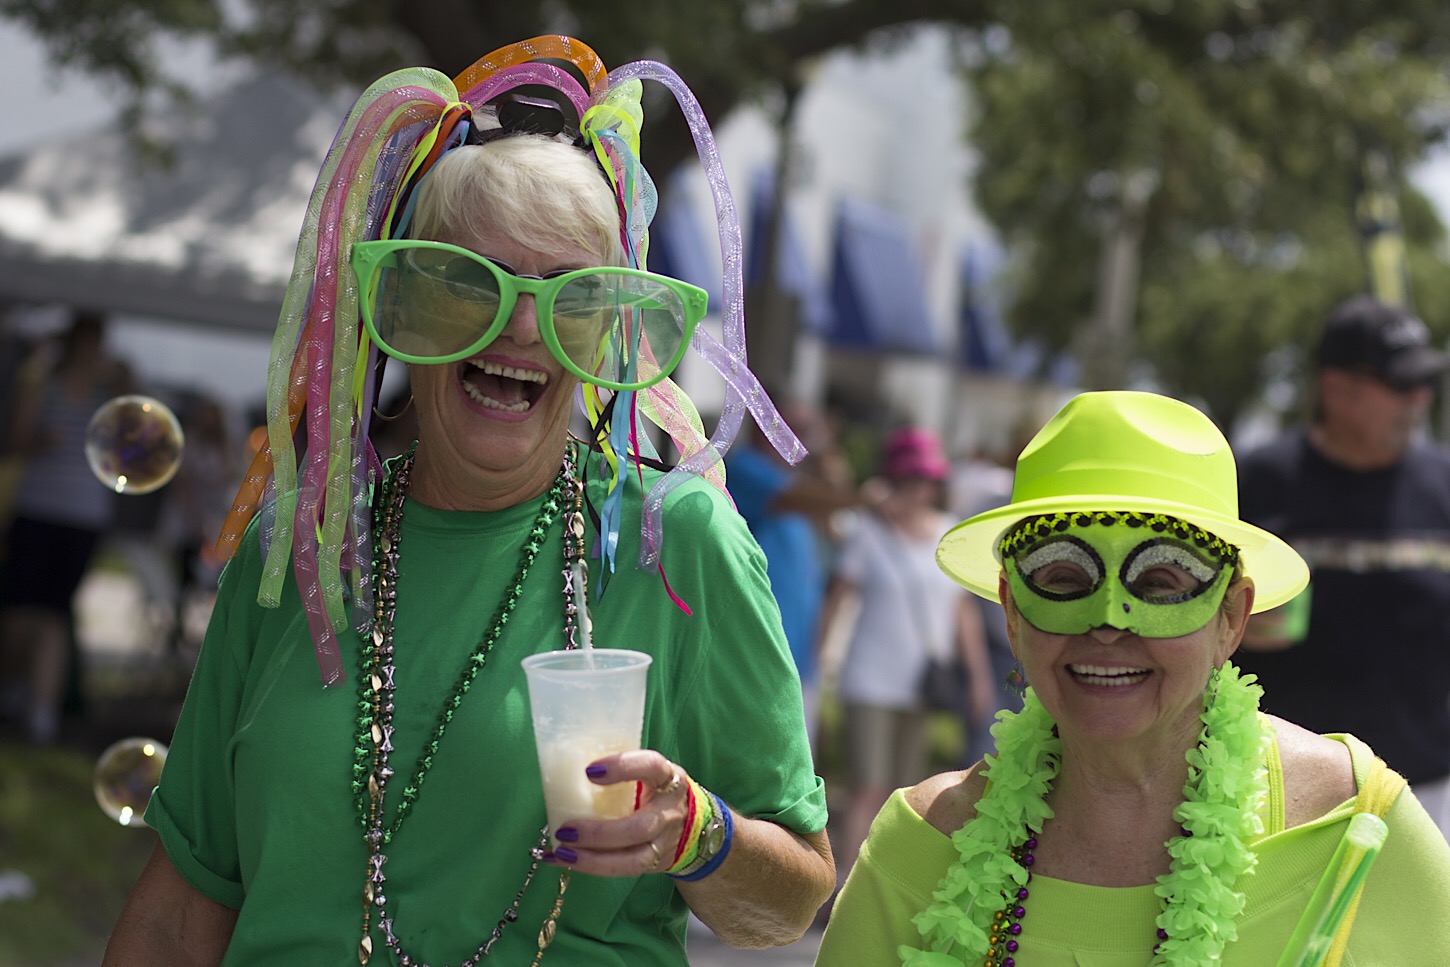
(698, 807)
(723, 811)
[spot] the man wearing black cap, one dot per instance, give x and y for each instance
(1365, 498)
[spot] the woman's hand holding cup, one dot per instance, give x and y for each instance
(646, 841)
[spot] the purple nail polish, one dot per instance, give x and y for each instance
(567, 834)
(565, 855)
(595, 771)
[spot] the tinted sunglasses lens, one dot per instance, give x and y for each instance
(619, 327)
(432, 302)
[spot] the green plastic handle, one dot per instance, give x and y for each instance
(1341, 883)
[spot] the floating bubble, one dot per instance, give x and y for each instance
(133, 444)
(125, 775)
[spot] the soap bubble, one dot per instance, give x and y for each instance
(133, 444)
(125, 775)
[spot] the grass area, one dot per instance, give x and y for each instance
(81, 863)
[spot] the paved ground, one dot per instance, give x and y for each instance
(706, 951)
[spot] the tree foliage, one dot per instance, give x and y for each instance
(726, 50)
(1251, 119)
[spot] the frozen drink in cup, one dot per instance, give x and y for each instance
(586, 704)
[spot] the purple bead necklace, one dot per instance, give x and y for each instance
(1007, 922)
(1003, 944)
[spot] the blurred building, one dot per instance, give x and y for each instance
(892, 273)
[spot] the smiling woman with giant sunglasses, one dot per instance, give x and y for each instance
(396, 816)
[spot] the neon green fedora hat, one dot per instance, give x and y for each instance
(1134, 451)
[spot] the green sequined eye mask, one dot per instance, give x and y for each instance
(1152, 575)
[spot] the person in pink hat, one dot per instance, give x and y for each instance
(910, 616)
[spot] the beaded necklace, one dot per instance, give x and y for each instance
(976, 915)
(376, 688)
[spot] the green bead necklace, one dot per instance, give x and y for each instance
(376, 688)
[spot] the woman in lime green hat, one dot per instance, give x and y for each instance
(1139, 810)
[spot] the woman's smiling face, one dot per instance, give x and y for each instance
(492, 428)
(501, 415)
(1111, 678)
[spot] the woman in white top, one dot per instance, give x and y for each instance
(910, 613)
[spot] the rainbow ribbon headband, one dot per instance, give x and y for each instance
(315, 512)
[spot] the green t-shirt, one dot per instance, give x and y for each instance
(255, 807)
(1401, 918)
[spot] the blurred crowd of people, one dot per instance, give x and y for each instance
(877, 630)
(57, 516)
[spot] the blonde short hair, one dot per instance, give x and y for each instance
(535, 190)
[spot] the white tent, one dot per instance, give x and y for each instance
(205, 239)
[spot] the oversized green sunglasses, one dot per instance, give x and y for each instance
(431, 302)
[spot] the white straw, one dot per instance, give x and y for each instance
(581, 602)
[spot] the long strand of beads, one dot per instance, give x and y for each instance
(374, 739)
(375, 713)
(551, 922)
(576, 569)
(1007, 922)
(381, 727)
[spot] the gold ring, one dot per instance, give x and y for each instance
(669, 788)
(655, 850)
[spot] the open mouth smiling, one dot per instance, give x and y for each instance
(1110, 675)
(499, 387)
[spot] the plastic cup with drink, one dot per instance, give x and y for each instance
(586, 704)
